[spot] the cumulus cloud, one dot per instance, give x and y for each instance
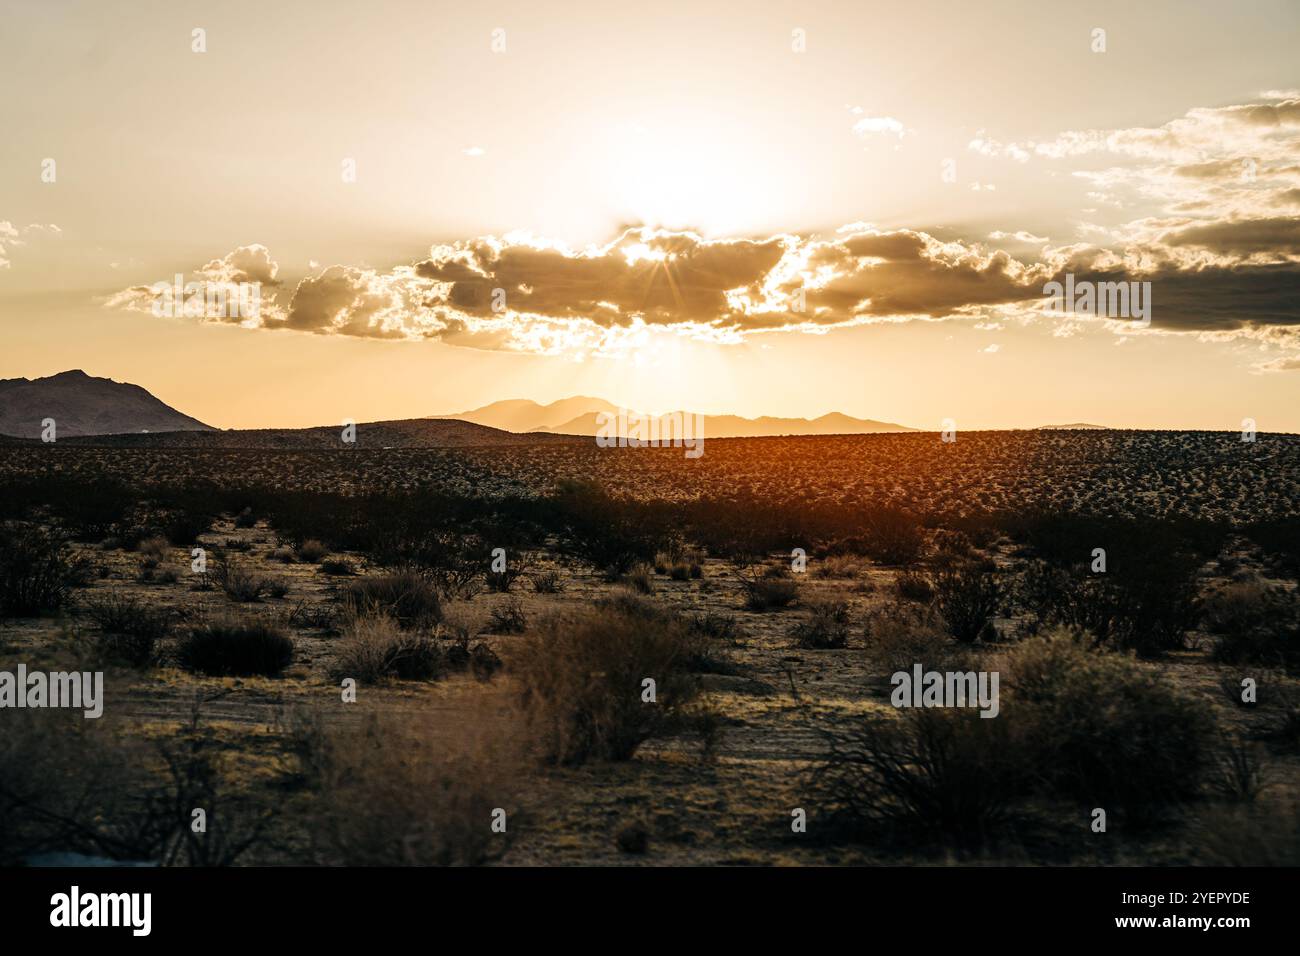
(1213, 192)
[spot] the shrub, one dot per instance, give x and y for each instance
(312, 551)
(827, 626)
(130, 629)
(898, 636)
(640, 578)
(238, 583)
(716, 626)
(774, 588)
(338, 567)
(235, 649)
(547, 582)
(609, 535)
(155, 548)
(1256, 626)
(967, 597)
(404, 790)
(893, 536)
(375, 648)
(508, 618)
(914, 586)
(36, 571)
(580, 676)
(928, 775)
(410, 599)
(1104, 730)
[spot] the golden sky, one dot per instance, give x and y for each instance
(755, 209)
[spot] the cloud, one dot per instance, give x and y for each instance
(1208, 196)
(11, 237)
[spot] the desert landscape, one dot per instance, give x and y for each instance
(366, 655)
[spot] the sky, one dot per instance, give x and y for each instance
(758, 209)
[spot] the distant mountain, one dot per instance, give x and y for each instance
(406, 433)
(523, 416)
(81, 404)
(1074, 426)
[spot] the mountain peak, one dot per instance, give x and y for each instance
(82, 404)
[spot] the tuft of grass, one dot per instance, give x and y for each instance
(508, 618)
(130, 630)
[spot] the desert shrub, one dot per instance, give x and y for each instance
(722, 627)
(640, 578)
(775, 587)
(238, 583)
(516, 567)
(130, 629)
(681, 571)
(74, 785)
(246, 519)
(837, 566)
(411, 791)
(893, 536)
(375, 648)
(508, 618)
(580, 677)
(321, 617)
(235, 649)
(283, 555)
(914, 586)
(312, 551)
(1106, 731)
(155, 548)
(593, 527)
(1237, 771)
(1148, 608)
(338, 567)
(277, 587)
(967, 597)
(409, 598)
(826, 627)
(1255, 625)
(898, 636)
(941, 775)
(547, 582)
(36, 571)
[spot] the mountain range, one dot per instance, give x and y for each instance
(82, 404)
(581, 416)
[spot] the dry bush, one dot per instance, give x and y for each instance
(235, 649)
(547, 582)
(238, 583)
(966, 596)
(580, 678)
(928, 775)
(837, 566)
(640, 578)
(1103, 729)
(74, 785)
(407, 597)
(900, 635)
(155, 548)
(774, 587)
(36, 571)
(129, 629)
(338, 567)
(914, 586)
(413, 790)
(376, 648)
(1256, 625)
(827, 626)
(312, 551)
(1238, 607)
(508, 618)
